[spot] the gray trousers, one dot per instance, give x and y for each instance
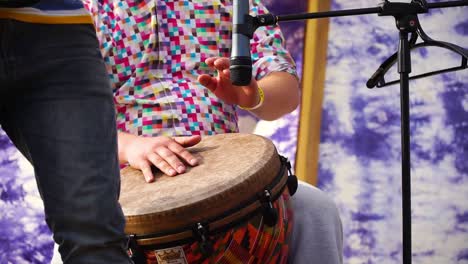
(56, 105)
(317, 236)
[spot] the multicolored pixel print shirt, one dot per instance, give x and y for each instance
(154, 52)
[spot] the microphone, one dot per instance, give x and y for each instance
(240, 61)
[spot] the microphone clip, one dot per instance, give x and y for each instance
(253, 23)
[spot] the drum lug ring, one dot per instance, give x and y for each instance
(270, 215)
(134, 251)
(202, 233)
(292, 182)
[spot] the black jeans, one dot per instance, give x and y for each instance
(56, 105)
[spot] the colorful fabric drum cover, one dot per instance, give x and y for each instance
(231, 208)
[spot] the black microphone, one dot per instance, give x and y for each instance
(241, 63)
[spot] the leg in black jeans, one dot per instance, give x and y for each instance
(57, 107)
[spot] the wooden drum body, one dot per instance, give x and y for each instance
(231, 208)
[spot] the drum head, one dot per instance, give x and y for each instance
(232, 169)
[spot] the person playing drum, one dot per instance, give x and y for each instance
(160, 56)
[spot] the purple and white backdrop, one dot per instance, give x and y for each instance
(359, 150)
(360, 161)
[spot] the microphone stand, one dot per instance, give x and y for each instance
(407, 22)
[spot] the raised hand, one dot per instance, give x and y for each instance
(222, 87)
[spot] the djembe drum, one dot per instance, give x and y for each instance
(231, 208)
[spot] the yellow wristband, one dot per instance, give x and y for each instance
(261, 94)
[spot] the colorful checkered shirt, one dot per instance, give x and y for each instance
(155, 50)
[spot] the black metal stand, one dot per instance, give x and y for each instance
(407, 22)
(404, 68)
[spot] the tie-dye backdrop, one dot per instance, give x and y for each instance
(360, 161)
(360, 150)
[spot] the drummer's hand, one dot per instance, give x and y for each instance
(222, 87)
(163, 152)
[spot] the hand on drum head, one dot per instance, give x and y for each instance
(222, 87)
(166, 153)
